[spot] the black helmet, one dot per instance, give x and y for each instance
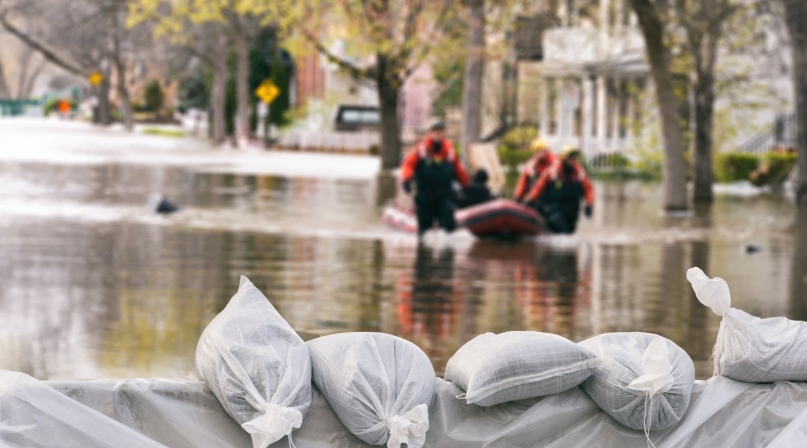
(438, 126)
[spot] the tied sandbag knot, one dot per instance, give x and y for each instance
(276, 421)
(715, 294)
(657, 378)
(409, 428)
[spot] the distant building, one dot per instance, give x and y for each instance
(580, 74)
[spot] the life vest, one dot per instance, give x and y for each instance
(434, 173)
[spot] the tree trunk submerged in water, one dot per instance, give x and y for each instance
(474, 73)
(796, 18)
(104, 116)
(674, 168)
(123, 93)
(704, 124)
(218, 103)
(389, 87)
(242, 87)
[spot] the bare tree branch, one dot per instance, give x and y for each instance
(369, 72)
(48, 54)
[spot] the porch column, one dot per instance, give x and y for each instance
(619, 11)
(560, 109)
(616, 113)
(630, 114)
(601, 108)
(604, 24)
(588, 115)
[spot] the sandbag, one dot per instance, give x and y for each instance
(748, 348)
(257, 366)
(380, 386)
(644, 382)
(497, 368)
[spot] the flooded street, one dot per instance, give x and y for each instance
(95, 286)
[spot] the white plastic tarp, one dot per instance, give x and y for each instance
(180, 414)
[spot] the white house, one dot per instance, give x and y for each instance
(596, 92)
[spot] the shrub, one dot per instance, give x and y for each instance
(734, 166)
(154, 96)
(513, 158)
(775, 168)
(514, 147)
(519, 138)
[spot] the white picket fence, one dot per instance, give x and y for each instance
(329, 141)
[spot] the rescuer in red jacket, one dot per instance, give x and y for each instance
(433, 166)
(540, 162)
(557, 194)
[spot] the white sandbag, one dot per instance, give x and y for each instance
(380, 386)
(257, 366)
(497, 368)
(644, 382)
(748, 348)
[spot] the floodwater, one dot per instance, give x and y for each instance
(94, 286)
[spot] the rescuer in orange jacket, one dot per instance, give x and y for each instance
(557, 194)
(433, 166)
(540, 162)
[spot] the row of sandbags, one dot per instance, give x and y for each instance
(381, 386)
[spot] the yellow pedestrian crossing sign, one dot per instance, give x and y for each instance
(267, 91)
(95, 78)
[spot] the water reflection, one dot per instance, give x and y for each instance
(428, 305)
(95, 287)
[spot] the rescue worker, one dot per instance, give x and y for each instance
(540, 162)
(433, 166)
(557, 193)
(477, 192)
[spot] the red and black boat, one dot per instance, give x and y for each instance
(501, 218)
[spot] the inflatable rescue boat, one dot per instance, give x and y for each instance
(501, 218)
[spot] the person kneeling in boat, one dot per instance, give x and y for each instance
(558, 192)
(534, 168)
(477, 192)
(433, 167)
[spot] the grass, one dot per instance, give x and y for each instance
(164, 132)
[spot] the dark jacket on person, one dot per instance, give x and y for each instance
(558, 193)
(434, 167)
(477, 192)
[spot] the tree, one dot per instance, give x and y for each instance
(658, 53)
(474, 74)
(5, 92)
(795, 12)
(153, 96)
(239, 20)
(399, 35)
(82, 36)
(703, 22)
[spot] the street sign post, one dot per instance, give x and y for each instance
(267, 92)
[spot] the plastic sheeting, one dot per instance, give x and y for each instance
(181, 414)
